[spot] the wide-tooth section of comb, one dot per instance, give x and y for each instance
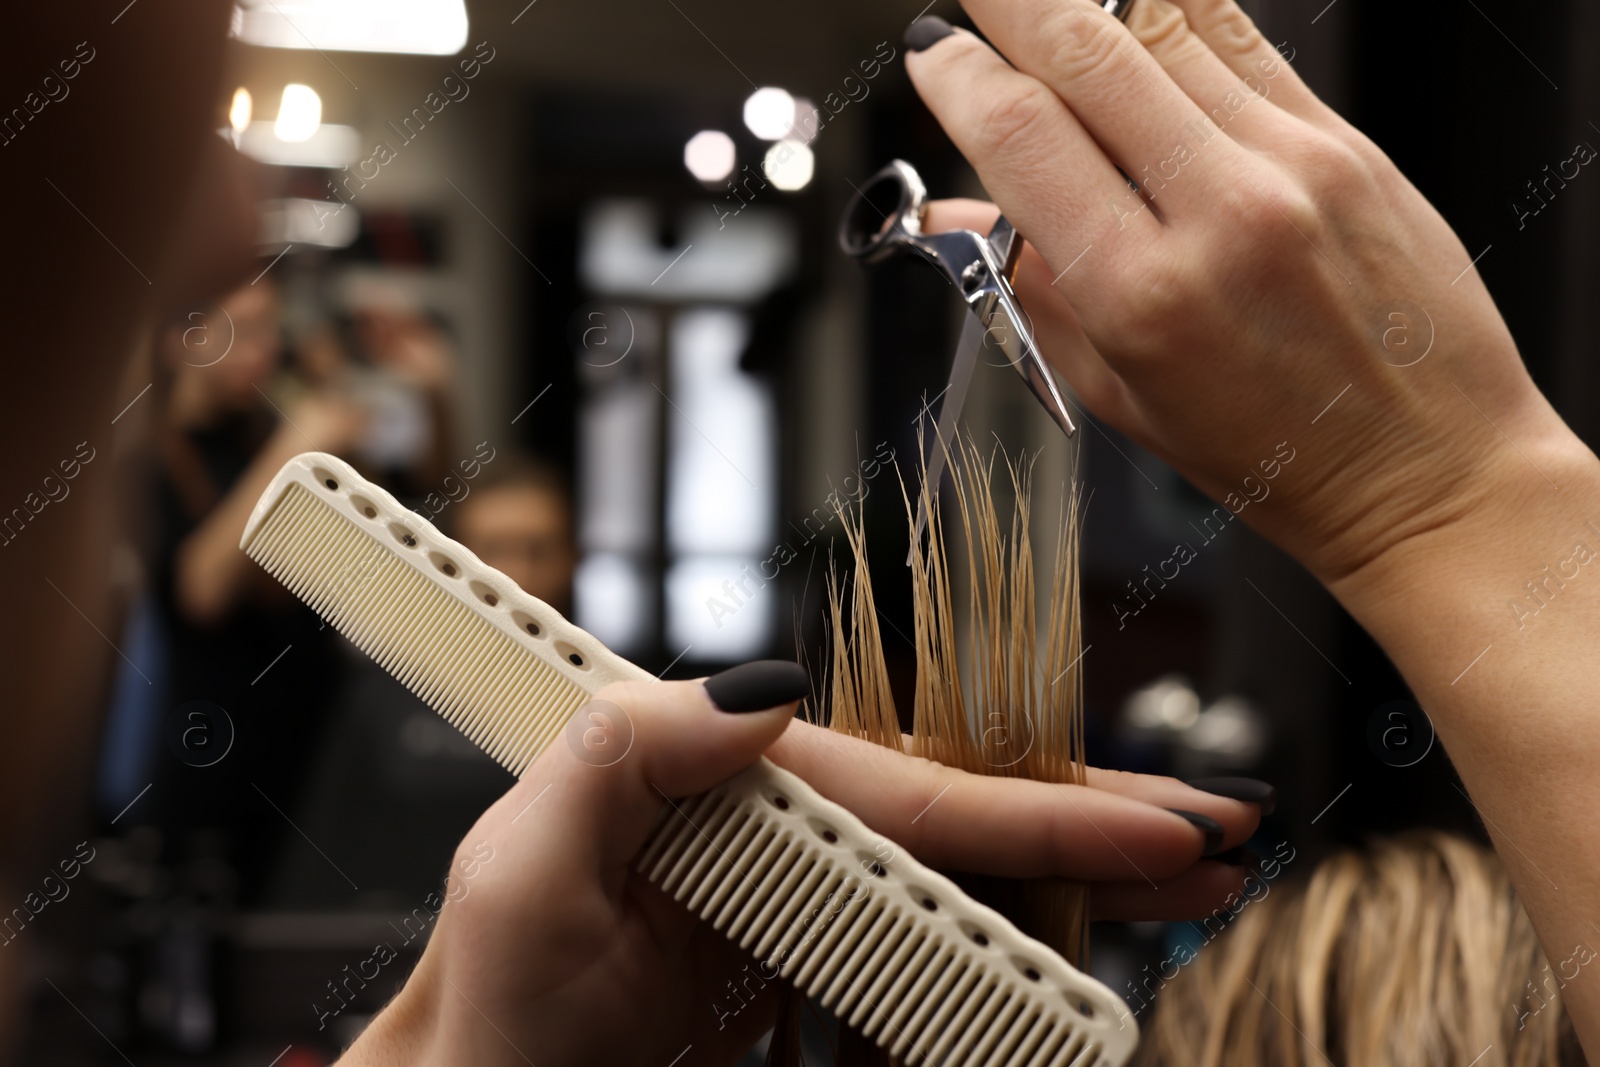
(869, 937)
(507, 701)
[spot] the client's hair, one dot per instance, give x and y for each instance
(991, 695)
(1412, 952)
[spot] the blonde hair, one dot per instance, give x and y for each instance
(1414, 951)
(999, 696)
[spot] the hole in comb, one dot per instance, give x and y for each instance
(1085, 1009)
(925, 898)
(824, 831)
(326, 477)
(528, 623)
(572, 655)
(979, 937)
(330, 483)
(486, 593)
(1029, 971)
(870, 865)
(444, 563)
(403, 535)
(365, 506)
(781, 803)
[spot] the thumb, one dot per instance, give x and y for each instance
(634, 750)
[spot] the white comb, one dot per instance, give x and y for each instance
(893, 948)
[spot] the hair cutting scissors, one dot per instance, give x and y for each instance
(884, 219)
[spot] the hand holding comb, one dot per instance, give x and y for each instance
(910, 961)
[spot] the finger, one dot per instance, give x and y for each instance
(1013, 827)
(1200, 891)
(1055, 325)
(1034, 157)
(1240, 45)
(1240, 105)
(1220, 798)
(1122, 96)
(590, 801)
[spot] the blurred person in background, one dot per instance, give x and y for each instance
(517, 517)
(235, 637)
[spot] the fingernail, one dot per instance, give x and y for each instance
(927, 32)
(1206, 825)
(1249, 790)
(757, 686)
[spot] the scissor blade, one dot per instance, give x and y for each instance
(1010, 334)
(944, 439)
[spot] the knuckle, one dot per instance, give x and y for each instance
(1231, 31)
(1079, 43)
(1163, 29)
(1331, 168)
(1011, 121)
(1268, 215)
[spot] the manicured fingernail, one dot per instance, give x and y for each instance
(1206, 825)
(927, 32)
(766, 683)
(1249, 790)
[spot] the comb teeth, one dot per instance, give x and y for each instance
(755, 861)
(896, 950)
(509, 703)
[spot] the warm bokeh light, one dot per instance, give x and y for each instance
(239, 110)
(299, 113)
(789, 165)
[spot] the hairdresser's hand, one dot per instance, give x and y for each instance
(1117, 832)
(555, 952)
(551, 950)
(1260, 300)
(324, 422)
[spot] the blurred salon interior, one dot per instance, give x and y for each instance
(565, 279)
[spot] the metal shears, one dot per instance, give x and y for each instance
(885, 219)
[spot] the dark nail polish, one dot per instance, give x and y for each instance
(927, 32)
(1248, 790)
(1206, 825)
(766, 683)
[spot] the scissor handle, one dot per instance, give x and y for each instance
(885, 212)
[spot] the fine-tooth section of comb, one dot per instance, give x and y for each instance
(893, 948)
(501, 666)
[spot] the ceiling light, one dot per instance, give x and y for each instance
(769, 113)
(299, 113)
(327, 146)
(239, 110)
(424, 27)
(789, 165)
(710, 156)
